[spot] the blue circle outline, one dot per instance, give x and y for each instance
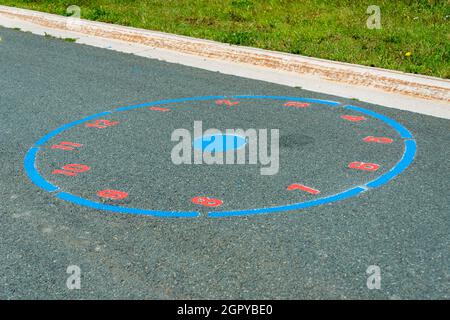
(406, 160)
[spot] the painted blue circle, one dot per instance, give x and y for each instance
(405, 161)
(219, 142)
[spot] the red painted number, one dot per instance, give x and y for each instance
(102, 124)
(296, 186)
(207, 202)
(112, 194)
(354, 118)
(378, 140)
(159, 109)
(227, 102)
(296, 104)
(72, 169)
(66, 145)
(364, 166)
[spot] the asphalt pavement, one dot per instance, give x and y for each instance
(318, 252)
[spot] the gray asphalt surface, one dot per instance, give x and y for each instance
(318, 253)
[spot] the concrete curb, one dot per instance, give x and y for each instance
(343, 74)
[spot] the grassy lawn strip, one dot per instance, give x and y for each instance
(414, 35)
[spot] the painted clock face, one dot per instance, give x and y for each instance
(121, 160)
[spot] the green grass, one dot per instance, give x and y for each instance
(333, 30)
(53, 37)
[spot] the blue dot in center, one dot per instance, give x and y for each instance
(219, 142)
